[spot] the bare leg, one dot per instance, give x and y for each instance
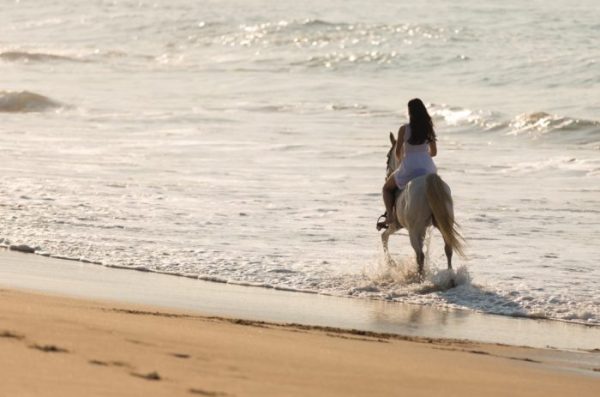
(388, 192)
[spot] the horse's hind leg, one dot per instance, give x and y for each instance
(447, 247)
(448, 251)
(416, 240)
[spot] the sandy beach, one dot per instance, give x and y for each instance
(57, 346)
(190, 189)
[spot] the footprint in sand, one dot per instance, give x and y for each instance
(9, 334)
(180, 355)
(98, 362)
(48, 348)
(109, 363)
(149, 376)
(208, 393)
(36, 346)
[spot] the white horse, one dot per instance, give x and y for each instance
(425, 201)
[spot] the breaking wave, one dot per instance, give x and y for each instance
(26, 56)
(25, 101)
(536, 125)
(561, 127)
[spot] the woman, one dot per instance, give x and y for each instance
(415, 148)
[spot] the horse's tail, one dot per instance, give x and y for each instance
(440, 202)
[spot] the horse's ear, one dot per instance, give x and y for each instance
(392, 139)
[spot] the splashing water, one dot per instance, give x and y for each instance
(393, 277)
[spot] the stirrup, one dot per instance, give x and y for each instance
(382, 224)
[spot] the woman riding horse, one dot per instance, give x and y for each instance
(416, 145)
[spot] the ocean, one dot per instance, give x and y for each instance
(245, 142)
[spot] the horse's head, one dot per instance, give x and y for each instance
(392, 161)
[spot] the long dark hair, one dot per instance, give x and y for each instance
(421, 125)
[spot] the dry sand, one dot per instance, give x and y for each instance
(56, 346)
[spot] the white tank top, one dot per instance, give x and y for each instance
(408, 148)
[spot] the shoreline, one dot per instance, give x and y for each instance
(61, 337)
(81, 280)
(25, 249)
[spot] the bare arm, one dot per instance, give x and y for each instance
(400, 144)
(432, 148)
